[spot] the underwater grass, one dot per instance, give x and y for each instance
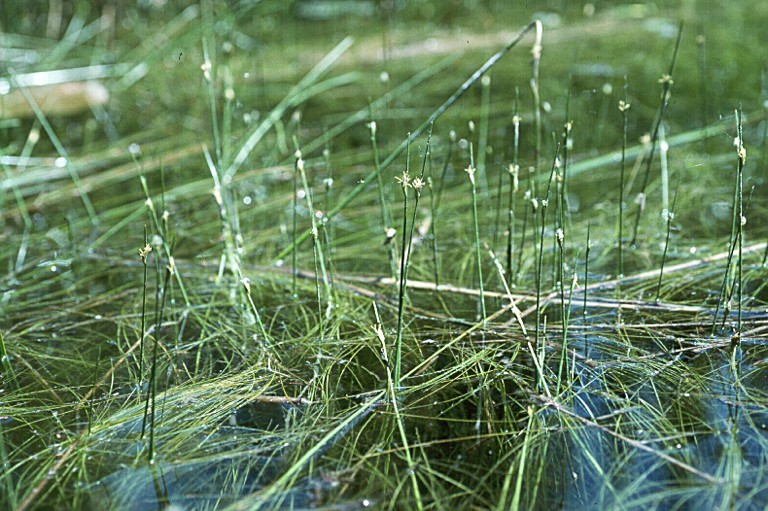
(277, 383)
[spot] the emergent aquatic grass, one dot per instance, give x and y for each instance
(217, 296)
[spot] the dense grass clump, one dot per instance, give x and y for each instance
(352, 255)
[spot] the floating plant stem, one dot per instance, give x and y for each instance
(10, 491)
(73, 174)
(666, 84)
(21, 204)
(523, 458)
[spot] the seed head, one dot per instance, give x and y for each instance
(144, 252)
(471, 171)
(405, 180)
(666, 79)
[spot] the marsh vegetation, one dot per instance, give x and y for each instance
(388, 255)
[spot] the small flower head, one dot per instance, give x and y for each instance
(666, 79)
(390, 234)
(514, 171)
(205, 67)
(623, 106)
(404, 180)
(379, 331)
(536, 51)
(640, 200)
(144, 252)
(417, 184)
(471, 171)
(171, 267)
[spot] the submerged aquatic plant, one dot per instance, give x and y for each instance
(235, 366)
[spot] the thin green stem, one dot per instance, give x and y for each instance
(540, 255)
(623, 107)
(584, 311)
(405, 183)
(463, 88)
(514, 176)
(471, 170)
(386, 217)
(670, 215)
(666, 83)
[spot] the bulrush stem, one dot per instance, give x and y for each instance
(471, 170)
